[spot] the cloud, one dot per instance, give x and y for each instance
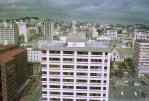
(124, 10)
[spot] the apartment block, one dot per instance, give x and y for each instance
(142, 56)
(14, 72)
(75, 70)
(141, 35)
(8, 34)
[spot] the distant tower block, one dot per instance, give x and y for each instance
(48, 29)
(74, 28)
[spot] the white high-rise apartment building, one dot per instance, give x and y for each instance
(142, 57)
(75, 71)
(8, 33)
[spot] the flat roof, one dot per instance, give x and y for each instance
(9, 55)
(89, 46)
(6, 47)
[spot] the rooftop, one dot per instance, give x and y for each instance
(87, 45)
(9, 54)
(6, 47)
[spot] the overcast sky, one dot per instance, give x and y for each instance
(136, 11)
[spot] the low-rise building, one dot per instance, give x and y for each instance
(120, 54)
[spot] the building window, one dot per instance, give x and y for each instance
(43, 65)
(94, 100)
(54, 66)
(106, 53)
(54, 86)
(105, 68)
(44, 79)
(54, 52)
(95, 74)
(44, 92)
(82, 60)
(44, 51)
(82, 67)
(67, 99)
(68, 73)
(96, 53)
(104, 88)
(96, 60)
(67, 93)
(106, 60)
(44, 72)
(81, 94)
(104, 95)
(68, 80)
(67, 59)
(54, 73)
(81, 87)
(54, 59)
(104, 81)
(44, 99)
(55, 93)
(54, 99)
(68, 52)
(95, 88)
(44, 58)
(81, 81)
(95, 94)
(81, 100)
(105, 75)
(95, 81)
(96, 67)
(55, 80)
(68, 66)
(81, 74)
(82, 53)
(68, 87)
(44, 86)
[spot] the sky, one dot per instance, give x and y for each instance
(103, 11)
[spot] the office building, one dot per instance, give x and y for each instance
(142, 57)
(14, 72)
(8, 34)
(75, 70)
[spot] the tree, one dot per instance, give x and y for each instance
(21, 39)
(130, 65)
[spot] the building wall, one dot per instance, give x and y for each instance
(142, 57)
(33, 55)
(75, 76)
(14, 74)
